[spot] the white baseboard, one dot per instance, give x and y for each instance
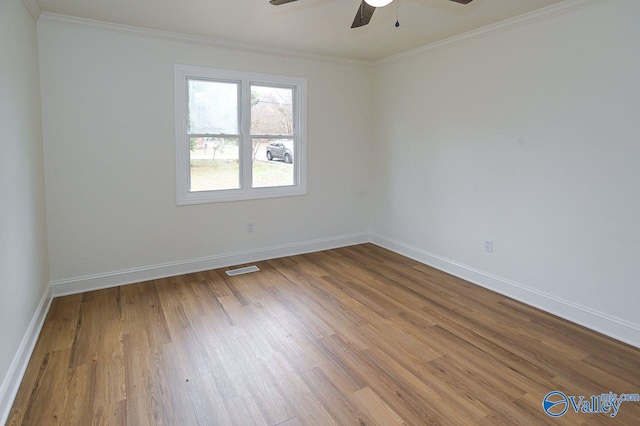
(146, 273)
(12, 380)
(587, 317)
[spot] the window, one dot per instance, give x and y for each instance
(239, 136)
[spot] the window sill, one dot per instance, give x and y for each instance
(206, 197)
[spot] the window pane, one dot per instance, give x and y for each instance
(271, 110)
(214, 164)
(272, 162)
(213, 107)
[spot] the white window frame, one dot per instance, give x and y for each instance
(245, 79)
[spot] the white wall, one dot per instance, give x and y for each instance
(23, 233)
(108, 117)
(529, 138)
(524, 137)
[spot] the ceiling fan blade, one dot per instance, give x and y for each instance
(279, 2)
(462, 1)
(363, 15)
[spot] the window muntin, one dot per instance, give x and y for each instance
(239, 135)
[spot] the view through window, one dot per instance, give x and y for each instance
(243, 135)
(272, 136)
(214, 135)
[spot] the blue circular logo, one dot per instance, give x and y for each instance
(555, 404)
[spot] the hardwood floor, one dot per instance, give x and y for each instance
(351, 336)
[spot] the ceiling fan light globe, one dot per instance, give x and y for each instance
(378, 3)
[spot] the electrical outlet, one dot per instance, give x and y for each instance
(249, 227)
(488, 246)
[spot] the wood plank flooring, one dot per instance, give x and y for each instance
(352, 336)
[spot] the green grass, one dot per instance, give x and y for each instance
(272, 173)
(208, 175)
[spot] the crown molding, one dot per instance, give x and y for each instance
(33, 8)
(548, 12)
(72, 21)
(545, 13)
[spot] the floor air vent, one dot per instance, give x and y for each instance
(240, 271)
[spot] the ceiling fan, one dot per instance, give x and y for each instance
(366, 9)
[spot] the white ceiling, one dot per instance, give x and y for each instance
(316, 26)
